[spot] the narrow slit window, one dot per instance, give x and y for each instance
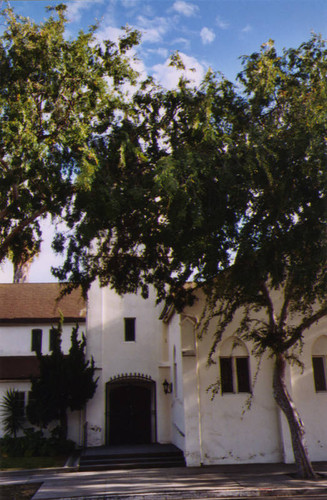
(319, 373)
(243, 375)
(52, 338)
(129, 329)
(226, 375)
(36, 340)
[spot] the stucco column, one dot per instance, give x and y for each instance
(191, 411)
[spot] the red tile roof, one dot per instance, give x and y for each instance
(39, 302)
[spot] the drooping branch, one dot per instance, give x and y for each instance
(18, 229)
(304, 325)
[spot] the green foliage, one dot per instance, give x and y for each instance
(168, 196)
(281, 243)
(34, 444)
(65, 382)
(226, 186)
(198, 179)
(56, 95)
(13, 418)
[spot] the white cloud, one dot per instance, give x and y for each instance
(152, 29)
(109, 33)
(185, 8)
(75, 9)
(247, 29)
(136, 6)
(162, 52)
(128, 4)
(221, 23)
(207, 36)
(181, 41)
(169, 76)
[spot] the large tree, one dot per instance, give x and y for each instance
(281, 259)
(56, 95)
(163, 204)
(66, 382)
(226, 186)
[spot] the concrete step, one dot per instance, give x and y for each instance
(106, 459)
(130, 465)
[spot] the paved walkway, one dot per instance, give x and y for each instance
(178, 483)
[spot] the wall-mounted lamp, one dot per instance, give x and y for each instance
(167, 387)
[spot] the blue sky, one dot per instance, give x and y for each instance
(208, 33)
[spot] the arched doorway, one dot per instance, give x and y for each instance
(130, 410)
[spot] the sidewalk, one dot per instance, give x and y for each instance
(217, 481)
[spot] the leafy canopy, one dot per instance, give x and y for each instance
(56, 95)
(200, 180)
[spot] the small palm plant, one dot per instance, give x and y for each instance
(12, 412)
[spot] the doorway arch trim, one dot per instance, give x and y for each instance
(133, 379)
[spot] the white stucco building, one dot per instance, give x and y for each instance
(241, 423)
(28, 311)
(137, 347)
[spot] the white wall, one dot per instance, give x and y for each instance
(115, 357)
(176, 377)
(16, 340)
(237, 428)
(223, 430)
(312, 405)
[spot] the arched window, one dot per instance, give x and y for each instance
(319, 355)
(234, 367)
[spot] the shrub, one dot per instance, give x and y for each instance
(34, 444)
(12, 412)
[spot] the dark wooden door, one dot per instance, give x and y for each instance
(129, 415)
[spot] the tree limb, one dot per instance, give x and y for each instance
(20, 227)
(306, 323)
(270, 306)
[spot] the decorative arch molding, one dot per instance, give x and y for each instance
(125, 377)
(131, 416)
(233, 346)
(188, 324)
(319, 347)
(188, 317)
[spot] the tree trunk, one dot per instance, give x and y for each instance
(21, 271)
(284, 401)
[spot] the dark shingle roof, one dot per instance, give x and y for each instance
(19, 367)
(39, 302)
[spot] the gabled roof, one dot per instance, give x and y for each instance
(39, 302)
